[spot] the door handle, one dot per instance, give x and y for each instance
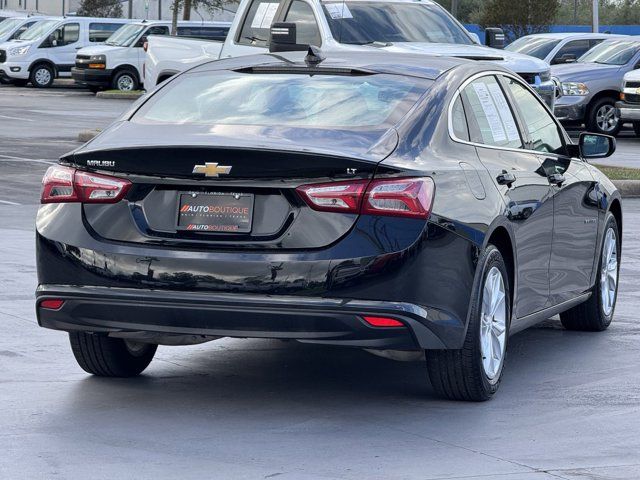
(556, 179)
(506, 178)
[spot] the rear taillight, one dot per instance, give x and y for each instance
(145, 46)
(398, 197)
(64, 184)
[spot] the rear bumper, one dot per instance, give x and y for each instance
(628, 111)
(312, 320)
(90, 76)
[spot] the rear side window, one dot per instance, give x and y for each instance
(459, 120)
(302, 15)
(491, 120)
(203, 32)
(99, 32)
(257, 22)
(296, 100)
(157, 30)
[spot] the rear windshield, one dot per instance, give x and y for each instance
(538, 47)
(300, 100)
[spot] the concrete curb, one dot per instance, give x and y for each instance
(120, 95)
(86, 135)
(628, 188)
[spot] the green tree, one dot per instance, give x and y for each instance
(186, 6)
(517, 20)
(100, 8)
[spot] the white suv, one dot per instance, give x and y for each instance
(47, 50)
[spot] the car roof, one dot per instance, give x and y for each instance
(408, 64)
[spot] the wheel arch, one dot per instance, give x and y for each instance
(165, 75)
(46, 61)
(128, 67)
(500, 238)
(616, 209)
(603, 94)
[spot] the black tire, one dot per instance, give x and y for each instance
(110, 357)
(592, 113)
(636, 128)
(459, 374)
(127, 77)
(590, 316)
(42, 75)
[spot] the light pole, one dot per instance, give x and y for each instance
(595, 27)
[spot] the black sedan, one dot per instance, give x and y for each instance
(393, 203)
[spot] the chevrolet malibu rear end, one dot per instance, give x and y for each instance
(252, 200)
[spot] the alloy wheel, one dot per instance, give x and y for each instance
(606, 118)
(609, 271)
(493, 323)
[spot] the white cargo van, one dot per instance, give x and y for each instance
(48, 49)
(118, 64)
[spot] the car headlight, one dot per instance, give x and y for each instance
(574, 88)
(98, 61)
(17, 51)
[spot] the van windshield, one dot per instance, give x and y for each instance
(38, 30)
(125, 36)
(7, 26)
(361, 23)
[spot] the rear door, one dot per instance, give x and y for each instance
(574, 199)
(517, 175)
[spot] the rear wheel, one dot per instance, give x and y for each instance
(110, 357)
(595, 314)
(42, 76)
(125, 81)
(602, 117)
(473, 373)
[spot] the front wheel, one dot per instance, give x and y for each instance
(602, 117)
(110, 357)
(473, 373)
(42, 76)
(595, 314)
(125, 81)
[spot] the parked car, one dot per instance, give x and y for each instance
(48, 49)
(397, 26)
(589, 88)
(558, 48)
(389, 202)
(628, 108)
(118, 63)
(12, 28)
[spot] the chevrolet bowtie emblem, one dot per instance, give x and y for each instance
(212, 169)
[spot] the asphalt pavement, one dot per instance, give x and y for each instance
(569, 405)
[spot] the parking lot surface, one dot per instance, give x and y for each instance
(569, 406)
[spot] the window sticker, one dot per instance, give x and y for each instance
(505, 112)
(490, 112)
(265, 14)
(338, 10)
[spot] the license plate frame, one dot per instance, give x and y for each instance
(233, 212)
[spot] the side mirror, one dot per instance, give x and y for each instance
(494, 37)
(142, 41)
(596, 145)
(283, 38)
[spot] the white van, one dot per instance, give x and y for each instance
(12, 28)
(48, 49)
(118, 64)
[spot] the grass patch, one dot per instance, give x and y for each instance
(619, 173)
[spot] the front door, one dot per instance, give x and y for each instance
(64, 45)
